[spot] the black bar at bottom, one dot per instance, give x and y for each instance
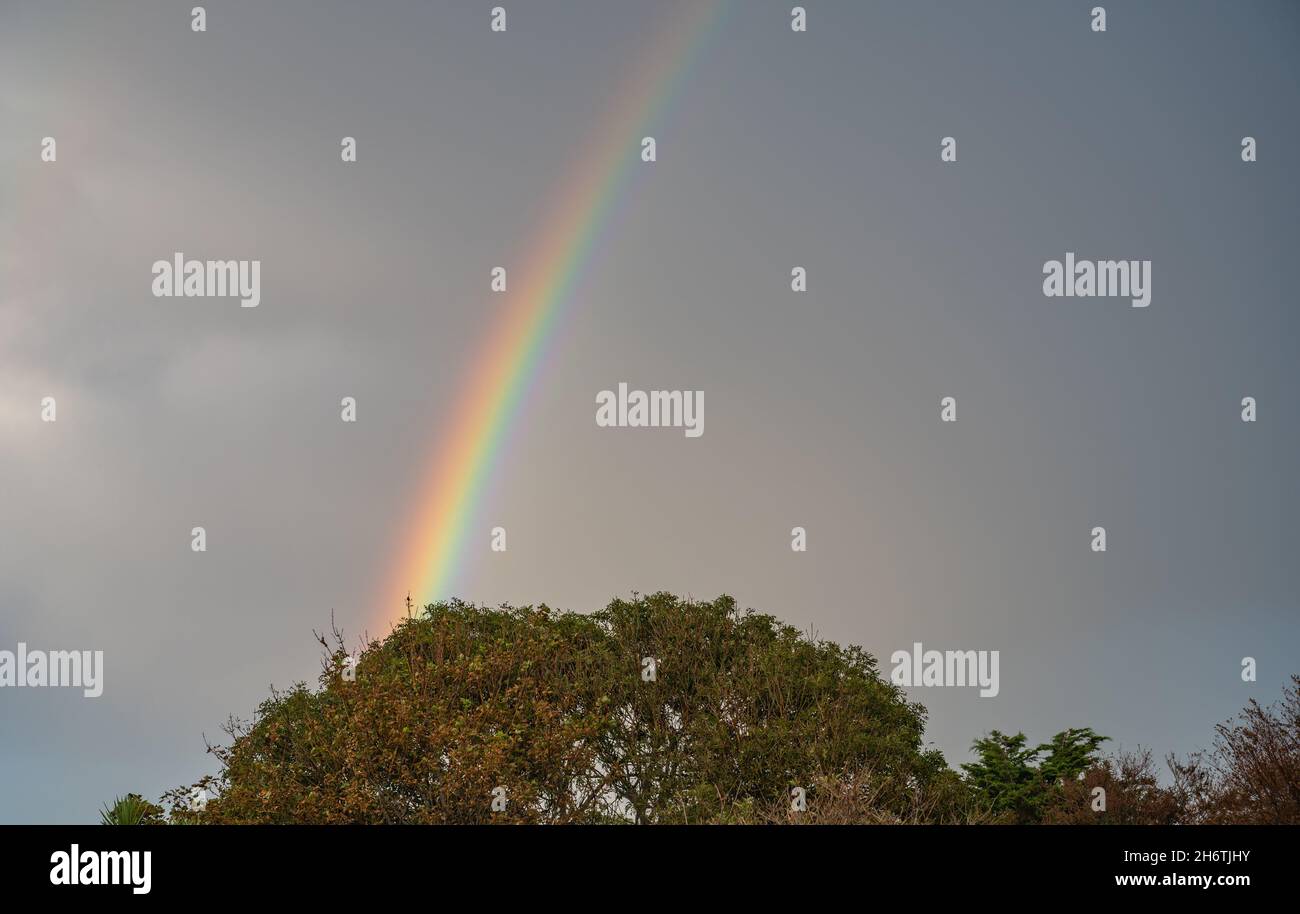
(302, 863)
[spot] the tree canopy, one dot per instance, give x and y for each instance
(654, 709)
(663, 710)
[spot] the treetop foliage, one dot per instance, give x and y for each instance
(663, 710)
(653, 709)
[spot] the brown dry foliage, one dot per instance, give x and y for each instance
(1252, 772)
(1134, 795)
(865, 797)
(1250, 775)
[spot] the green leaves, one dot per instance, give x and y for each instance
(131, 809)
(1015, 783)
(553, 707)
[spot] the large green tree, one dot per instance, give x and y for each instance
(657, 709)
(654, 709)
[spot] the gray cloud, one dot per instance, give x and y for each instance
(819, 150)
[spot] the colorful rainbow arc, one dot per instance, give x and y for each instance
(432, 544)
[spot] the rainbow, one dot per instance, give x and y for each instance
(430, 548)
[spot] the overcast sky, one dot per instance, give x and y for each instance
(818, 150)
